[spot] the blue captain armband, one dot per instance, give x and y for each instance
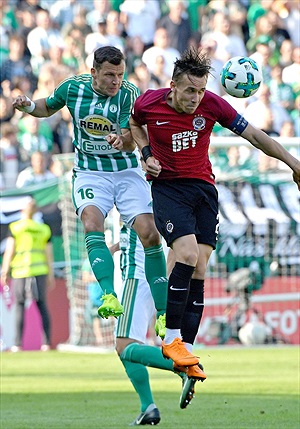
(238, 125)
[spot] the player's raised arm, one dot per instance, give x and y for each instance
(37, 108)
(271, 147)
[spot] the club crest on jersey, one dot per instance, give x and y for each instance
(199, 123)
(97, 126)
(113, 108)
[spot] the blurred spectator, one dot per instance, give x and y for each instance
(161, 47)
(139, 19)
(287, 129)
(286, 53)
(63, 13)
(281, 92)
(209, 46)
(262, 56)
(278, 33)
(4, 38)
(291, 74)
(255, 10)
(134, 51)
(291, 17)
(228, 44)
(63, 131)
(266, 164)
(6, 111)
(97, 39)
(36, 173)
(262, 32)
(9, 155)
(235, 11)
(115, 30)
(34, 135)
(8, 17)
(196, 12)
(79, 28)
(33, 6)
(17, 64)
(27, 22)
(145, 77)
(266, 115)
(41, 38)
(72, 55)
(159, 74)
(239, 158)
(178, 25)
(97, 14)
(295, 115)
(28, 260)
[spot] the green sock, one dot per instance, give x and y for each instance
(101, 260)
(156, 272)
(139, 377)
(146, 355)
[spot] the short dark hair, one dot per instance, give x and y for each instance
(192, 62)
(107, 53)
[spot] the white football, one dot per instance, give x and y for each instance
(241, 77)
(253, 333)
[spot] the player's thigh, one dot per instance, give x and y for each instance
(207, 218)
(93, 188)
(173, 211)
(139, 310)
(132, 194)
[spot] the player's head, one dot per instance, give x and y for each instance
(189, 80)
(107, 53)
(108, 70)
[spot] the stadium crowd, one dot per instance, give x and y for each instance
(45, 41)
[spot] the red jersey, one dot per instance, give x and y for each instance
(180, 141)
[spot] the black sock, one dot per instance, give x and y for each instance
(178, 291)
(193, 311)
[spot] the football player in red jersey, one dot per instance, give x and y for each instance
(175, 147)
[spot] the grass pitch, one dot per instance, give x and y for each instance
(245, 389)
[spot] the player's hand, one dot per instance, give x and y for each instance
(153, 166)
(115, 141)
(20, 102)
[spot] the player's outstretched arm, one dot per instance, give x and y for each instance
(272, 148)
(37, 108)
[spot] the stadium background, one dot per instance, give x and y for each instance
(259, 210)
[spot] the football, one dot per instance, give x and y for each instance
(253, 333)
(241, 77)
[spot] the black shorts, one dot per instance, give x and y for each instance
(186, 206)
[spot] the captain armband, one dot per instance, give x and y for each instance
(146, 152)
(238, 125)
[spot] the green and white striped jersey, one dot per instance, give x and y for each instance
(132, 260)
(94, 117)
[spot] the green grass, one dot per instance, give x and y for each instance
(245, 389)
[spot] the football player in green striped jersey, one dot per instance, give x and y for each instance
(107, 168)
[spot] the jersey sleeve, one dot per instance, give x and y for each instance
(132, 92)
(57, 100)
(137, 112)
